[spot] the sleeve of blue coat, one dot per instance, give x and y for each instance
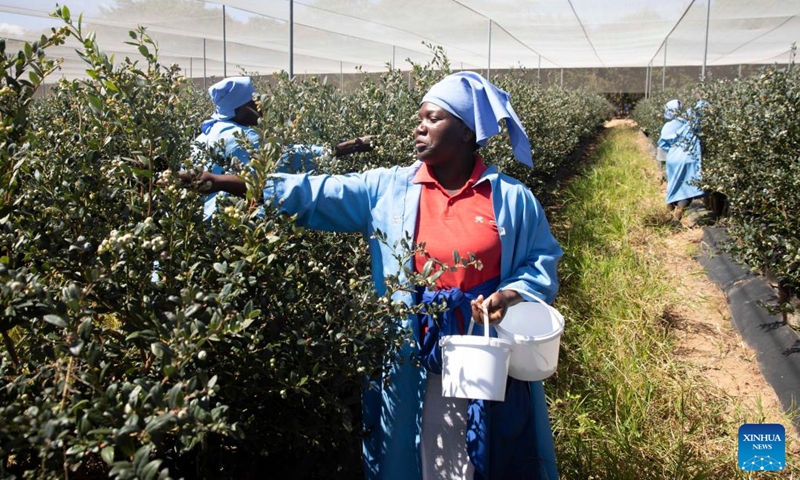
(669, 134)
(535, 251)
(336, 203)
(300, 158)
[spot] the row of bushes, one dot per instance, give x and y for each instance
(751, 138)
(248, 351)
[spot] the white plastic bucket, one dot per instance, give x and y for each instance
(475, 366)
(535, 328)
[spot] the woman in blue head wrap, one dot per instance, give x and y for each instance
(231, 127)
(683, 149)
(235, 113)
(450, 200)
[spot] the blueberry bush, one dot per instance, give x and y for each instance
(750, 137)
(141, 341)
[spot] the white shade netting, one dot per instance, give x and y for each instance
(615, 39)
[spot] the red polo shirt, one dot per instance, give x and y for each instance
(463, 222)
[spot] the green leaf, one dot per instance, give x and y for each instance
(175, 396)
(79, 406)
(161, 351)
(107, 454)
(95, 103)
(111, 86)
(145, 334)
(75, 449)
(427, 269)
(141, 457)
(159, 424)
(221, 267)
(125, 442)
(193, 308)
(55, 320)
(150, 470)
(76, 347)
(142, 172)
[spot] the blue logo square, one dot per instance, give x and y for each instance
(762, 446)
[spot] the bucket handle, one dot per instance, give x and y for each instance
(550, 311)
(485, 322)
(550, 308)
(532, 296)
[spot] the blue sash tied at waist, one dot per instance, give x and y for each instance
(501, 437)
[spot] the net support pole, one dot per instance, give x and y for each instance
(562, 78)
(664, 71)
(740, 70)
(489, 63)
(224, 46)
(539, 71)
(341, 76)
(190, 68)
(204, 64)
(291, 39)
(705, 50)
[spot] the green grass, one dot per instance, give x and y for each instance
(622, 405)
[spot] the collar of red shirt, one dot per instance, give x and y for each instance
(425, 175)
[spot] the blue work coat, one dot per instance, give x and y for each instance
(230, 139)
(387, 199)
(682, 161)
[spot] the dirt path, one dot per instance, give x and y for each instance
(706, 338)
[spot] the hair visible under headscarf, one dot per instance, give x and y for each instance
(672, 108)
(481, 106)
(228, 95)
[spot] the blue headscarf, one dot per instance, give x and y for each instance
(228, 95)
(672, 108)
(481, 106)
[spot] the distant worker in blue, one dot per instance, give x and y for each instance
(230, 129)
(450, 200)
(679, 139)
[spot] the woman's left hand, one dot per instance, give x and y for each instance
(496, 305)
